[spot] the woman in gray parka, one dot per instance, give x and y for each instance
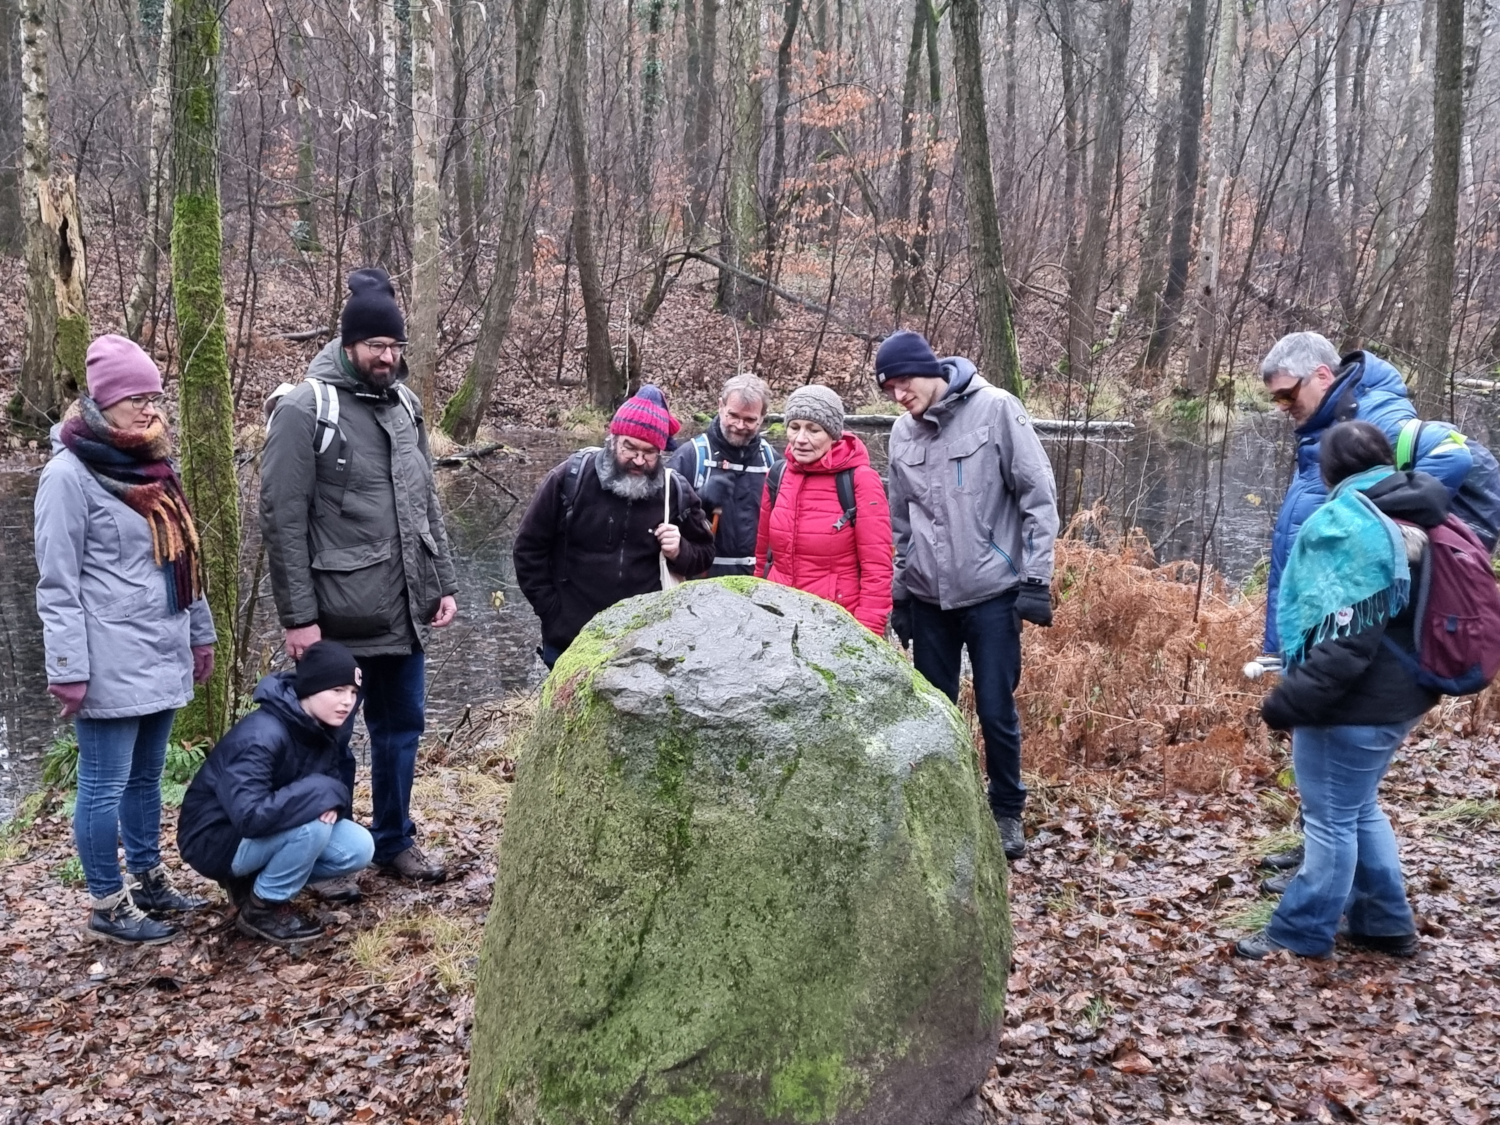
(126, 630)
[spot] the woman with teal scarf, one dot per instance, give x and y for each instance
(1346, 698)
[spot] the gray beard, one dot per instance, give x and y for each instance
(627, 486)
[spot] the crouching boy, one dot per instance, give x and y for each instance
(269, 811)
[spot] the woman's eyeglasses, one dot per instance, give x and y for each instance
(142, 402)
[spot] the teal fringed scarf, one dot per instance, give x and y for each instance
(1347, 569)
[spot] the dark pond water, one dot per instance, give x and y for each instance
(1188, 493)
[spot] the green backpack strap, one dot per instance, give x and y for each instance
(1408, 442)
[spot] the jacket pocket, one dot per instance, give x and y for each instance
(131, 606)
(967, 472)
(353, 586)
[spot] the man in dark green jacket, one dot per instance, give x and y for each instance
(355, 542)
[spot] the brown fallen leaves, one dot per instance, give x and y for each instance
(1124, 1004)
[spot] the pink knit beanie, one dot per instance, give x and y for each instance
(118, 368)
(644, 420)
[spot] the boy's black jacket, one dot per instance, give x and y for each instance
(277, 768)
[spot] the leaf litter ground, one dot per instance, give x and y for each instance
(1124, 1003)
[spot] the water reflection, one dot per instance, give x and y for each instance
(1190, 493)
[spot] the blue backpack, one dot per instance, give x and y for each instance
(1477, 501)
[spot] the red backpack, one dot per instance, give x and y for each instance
(1457, 624)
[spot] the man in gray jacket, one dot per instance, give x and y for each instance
(355, 541)
(974, 516)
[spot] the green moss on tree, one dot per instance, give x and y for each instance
(72, 351)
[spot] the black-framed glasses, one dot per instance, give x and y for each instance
(380, 347)
(141, 402)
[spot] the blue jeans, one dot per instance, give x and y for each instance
(288, 860)
(1352, 866)
(394, 696)
(119, 796)
(992, 632)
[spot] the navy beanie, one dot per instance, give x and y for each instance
(325, 665)
(371, 309)
(906, 353)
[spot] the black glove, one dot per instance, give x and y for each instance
(901, 622)
(1275, 713)
(1034, 602)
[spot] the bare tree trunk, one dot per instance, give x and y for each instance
(605, 382)
(159, 173)
(916, 282)
(1185, 197)
(462, 415)
(1442, 209)
(900, 238)
(1085, 295)
(12, 220)
(1155, 219)
(1072, 146)
(385, 169)
(305, 235)
(205, 395)
(651, 104)
(1205, 322)
(997, 335)
(775, 206)
(740, 239)
(702, 52)
(463, 157)
(57, 326)
(426, 202)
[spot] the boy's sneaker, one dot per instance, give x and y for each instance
(276, 922)
(1284, 861)
(1261, 945)
(1392, 945)
(341, 888)
(1277, 884)
(413, 864)
(153, 891)
(117, 918)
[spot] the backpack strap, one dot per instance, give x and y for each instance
(701, 456)
(326, 400)
(843, 481)
(773, 481)
(1408, 442)
(408, 398)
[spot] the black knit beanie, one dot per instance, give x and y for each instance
(325, 665)
(906, 353)
(371, 309)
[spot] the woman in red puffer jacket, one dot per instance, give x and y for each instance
(804, 540)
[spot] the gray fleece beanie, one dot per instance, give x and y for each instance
(813, 403)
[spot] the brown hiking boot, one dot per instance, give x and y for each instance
(341, 888)
(414, 865)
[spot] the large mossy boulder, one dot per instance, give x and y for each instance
(747, 876)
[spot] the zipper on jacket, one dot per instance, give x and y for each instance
(1003, 555)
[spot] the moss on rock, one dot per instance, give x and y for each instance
(747, 875)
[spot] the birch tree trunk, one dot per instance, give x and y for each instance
(1156, 216)
(426, 202)
(385, 169)
(206, 399)
(462, 415)
(997, 338)
(605, 383)
(158, 202)
(1442, 209)
(1205, 323)
(57, 326)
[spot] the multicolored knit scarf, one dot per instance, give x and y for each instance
(1347, 569)
(133, 465)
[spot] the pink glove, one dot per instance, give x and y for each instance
(203, 663)
(69, 695)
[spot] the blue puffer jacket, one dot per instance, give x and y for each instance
(277, 768)
(1371, 390)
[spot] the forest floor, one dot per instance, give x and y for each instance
(1125, 1004)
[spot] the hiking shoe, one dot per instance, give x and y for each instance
(117, 918)
(341, 888)
(1393, 945)
(1257, 946)
(276, 922)
(1277, 884)
(153, 891)
(413, 864)
(1012, 838)
(1284, 861)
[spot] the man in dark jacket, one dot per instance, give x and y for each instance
(355, 542)
(595, 533)
(728, 465)
(270, 810)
